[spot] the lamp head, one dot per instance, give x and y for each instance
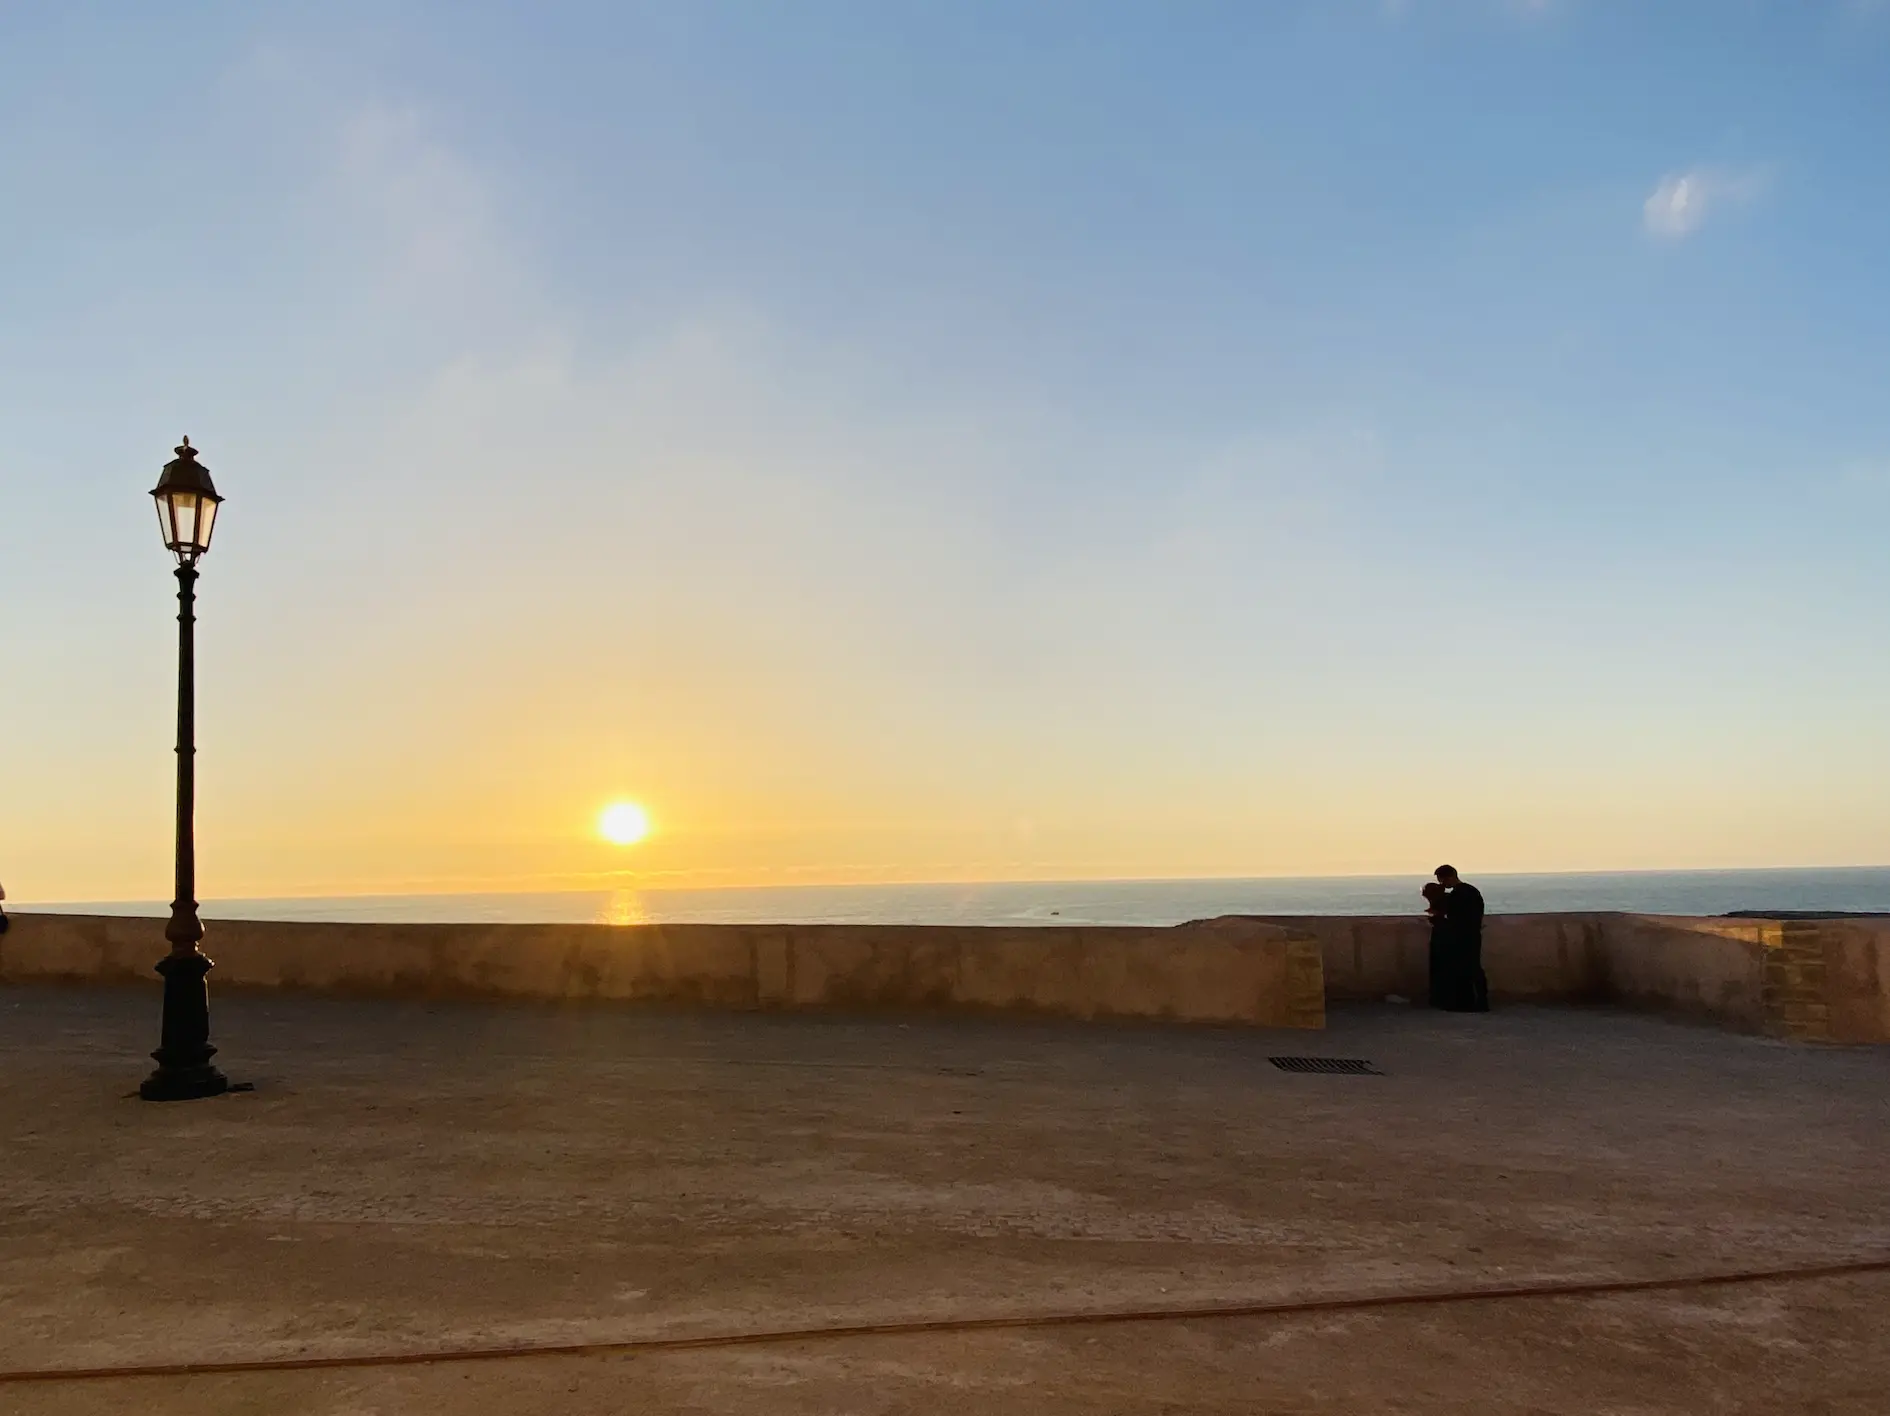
(187, 503)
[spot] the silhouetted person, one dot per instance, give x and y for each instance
(1465, 988)
(1434, 911)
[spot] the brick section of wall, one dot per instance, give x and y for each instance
(1796, 1004)
(1305, 983)
(1857, 978)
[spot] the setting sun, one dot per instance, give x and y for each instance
(624, 823)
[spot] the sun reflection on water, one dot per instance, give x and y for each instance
(623, 907)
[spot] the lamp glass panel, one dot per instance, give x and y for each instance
(184, 513)
(164, 522)
(207, 519)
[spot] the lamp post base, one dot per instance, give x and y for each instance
(183, 1056)
(183, 1083)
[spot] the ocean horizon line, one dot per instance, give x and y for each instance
(1102, 901)
(982, 882)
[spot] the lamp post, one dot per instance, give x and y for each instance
(187, 511)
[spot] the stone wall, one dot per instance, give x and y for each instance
(1555, 958)
(1854, 958)
(1713, 969)
(1241, 971)
(1823, 980)
(1810, 980)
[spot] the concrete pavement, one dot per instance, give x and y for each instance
(409, 1177)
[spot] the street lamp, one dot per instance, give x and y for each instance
(187, 505)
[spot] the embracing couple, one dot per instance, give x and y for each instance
(1455, 909)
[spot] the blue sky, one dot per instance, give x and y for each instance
(929, 441)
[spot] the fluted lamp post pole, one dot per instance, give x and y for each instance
(187, 511)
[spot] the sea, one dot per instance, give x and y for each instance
(1067, 902)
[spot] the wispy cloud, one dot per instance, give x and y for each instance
(1682, 201)
(430, 212)
(395, 205)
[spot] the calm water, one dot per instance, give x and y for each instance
(1691, 892)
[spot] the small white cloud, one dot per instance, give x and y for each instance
(1680, 204)
(432, 212)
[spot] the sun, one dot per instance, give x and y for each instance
(623, 823)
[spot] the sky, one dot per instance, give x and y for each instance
(923, 441)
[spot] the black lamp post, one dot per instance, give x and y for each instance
(187, 510)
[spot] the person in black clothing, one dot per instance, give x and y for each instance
(1441, 968)
(1465, 988)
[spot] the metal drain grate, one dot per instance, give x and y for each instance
(1348, 1066)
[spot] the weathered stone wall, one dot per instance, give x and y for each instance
(1553, 958)
(1824, 980)
(1230, 972)
(1856, 976)
(1810, 980)
(1703, 968)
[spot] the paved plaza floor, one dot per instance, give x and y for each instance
(407, 1179)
